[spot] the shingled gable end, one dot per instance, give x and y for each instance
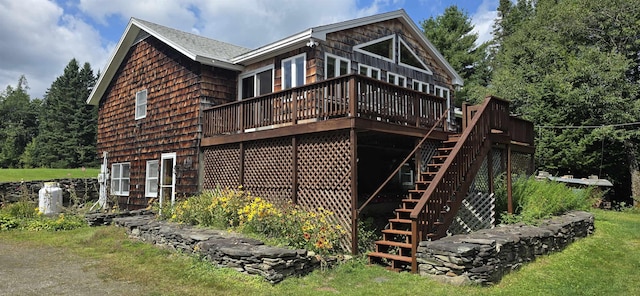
(319, 118)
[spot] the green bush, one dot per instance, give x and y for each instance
(25, 215)
(237, 209)
(534, 200)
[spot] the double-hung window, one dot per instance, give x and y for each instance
(141, 104)
(151, 183)
(293, 71)
(120, 178)
(335, 66)
(420, 86)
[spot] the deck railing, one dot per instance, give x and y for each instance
(345, 96)
(453, 176)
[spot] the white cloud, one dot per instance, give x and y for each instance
(483, 20)
(39, 39)
(249, 23)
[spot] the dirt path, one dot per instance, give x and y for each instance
(28, 270)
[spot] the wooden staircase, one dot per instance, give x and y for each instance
(395, 247)
(431, 206)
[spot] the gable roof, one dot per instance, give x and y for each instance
(224, 55)
(204, 50)
(320, 33)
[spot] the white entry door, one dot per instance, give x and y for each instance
(167, 178)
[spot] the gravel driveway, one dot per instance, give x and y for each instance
(28, 270)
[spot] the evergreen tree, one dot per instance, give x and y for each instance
(451, 33)
(19, 122)
(68, 126)
(574, 63)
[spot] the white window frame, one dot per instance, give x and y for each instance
(426, 70)
(294, 70)
(116, 175)
(255, 73)
(139, 104)
(396, 79)
(359, 47)
(438, 91)
(337, 69)
(149, 178)
(420, 85)
(369, 70)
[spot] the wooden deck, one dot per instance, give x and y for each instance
(346, 97)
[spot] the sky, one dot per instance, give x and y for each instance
(38, 38)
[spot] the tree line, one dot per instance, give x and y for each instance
(572, 67)
(57, 131)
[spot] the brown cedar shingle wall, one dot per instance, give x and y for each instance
(176, 86)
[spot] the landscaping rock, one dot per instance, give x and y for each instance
(483, 257)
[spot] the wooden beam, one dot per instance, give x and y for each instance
(354, 190)
(490, 171)
(294, 170)
(323, 126)
(509, 182)
(241, 173)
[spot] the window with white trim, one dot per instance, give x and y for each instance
(408, 58)
(396, 79)
(441, 92)
(294, 71)
(420, 86)
(335, 66)
(256, 83)
(141, 104)
(151, 179)
(369, 71)
(120, 178)
(382, 48)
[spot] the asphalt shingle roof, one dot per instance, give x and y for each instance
(198, 45)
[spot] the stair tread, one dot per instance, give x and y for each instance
(395, 220)
(411, 200)
(404, 210)
(393, 243)
(391, 256)
(396, 231)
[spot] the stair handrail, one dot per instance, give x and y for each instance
(404, 161)
(440, 174)
(420, 206)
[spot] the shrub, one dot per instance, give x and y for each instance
(540, 199)
(238, 209)
(26, 215)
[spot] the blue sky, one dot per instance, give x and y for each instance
(39, 37)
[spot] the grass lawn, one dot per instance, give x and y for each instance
(605, 263)
(13, 175)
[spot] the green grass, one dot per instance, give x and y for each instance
(13, 175)
(605, 263)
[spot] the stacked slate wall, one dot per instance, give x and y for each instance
(484, 256)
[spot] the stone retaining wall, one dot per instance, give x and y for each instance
(85, 189)
(220, 247)
(485, 256)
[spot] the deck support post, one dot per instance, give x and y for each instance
(294, 170)
(241, 173)
(509, 181)
(490, 171)
(354, 190)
